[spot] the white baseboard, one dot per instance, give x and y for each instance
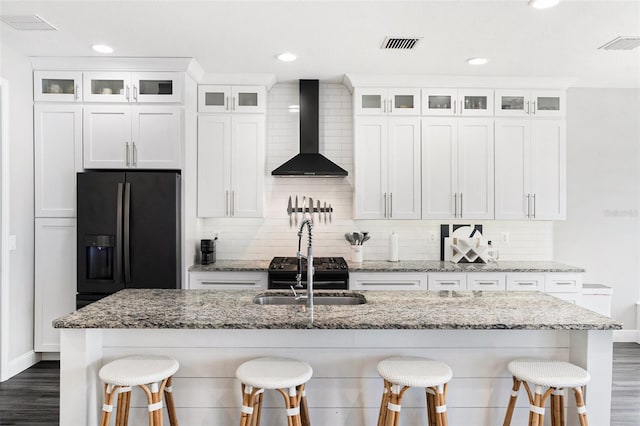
(626, 336)
(21, 363)
(50, 356)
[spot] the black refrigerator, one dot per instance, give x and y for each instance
(128, 232)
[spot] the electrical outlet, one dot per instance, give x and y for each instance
(12, 243)
(432, 236)
(504, 237)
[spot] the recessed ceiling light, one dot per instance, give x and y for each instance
(102, 48)
(287, 57)
(543, 4)
(477, 61)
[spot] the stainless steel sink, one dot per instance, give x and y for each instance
(342, 299)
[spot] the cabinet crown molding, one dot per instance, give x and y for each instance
(266, 80)
(460, 81)
(111, 63)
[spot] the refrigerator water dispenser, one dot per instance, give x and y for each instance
(99, 252)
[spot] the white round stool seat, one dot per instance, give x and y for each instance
(274, 373)
(414, 371)
(553, 374)
(137, 370)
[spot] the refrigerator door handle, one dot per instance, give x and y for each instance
(118, 260)
(127, 236)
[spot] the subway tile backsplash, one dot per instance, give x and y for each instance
(272, 236)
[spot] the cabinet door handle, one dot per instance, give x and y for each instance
(234, 103)
(127, 93)
(226, 203)
(226, 103)
(77, 92)
(528, 206)
(534, 107)
(461, 109)
(233, 202)
(455, 204)
(534, 206)
(135, 92)
(385, 204)
(390, 106)
(135, 154)
(461, 205)
(455, 106)
(126, 144)
(390, 204)
(384, 106)
(527, 110)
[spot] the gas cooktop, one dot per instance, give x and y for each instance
(319, 263)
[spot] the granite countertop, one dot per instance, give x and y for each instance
(405, 266)
(233, 309)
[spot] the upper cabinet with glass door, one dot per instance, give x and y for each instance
(382, 101)
(147, 87)
(460, 102)
(57, 86)
(236, 99)
(530, 103)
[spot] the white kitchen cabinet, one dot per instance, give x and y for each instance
(387, 101)
(530, 103)
(55, 278)
(387, 165)
(461, 102)
(231, 99)
(387, 281)
(525, 282)
(447, 281)
(140, 136)
(530, 169)
(486, 281)
(231, 165)
(225, 280)
(57, 86)
(597, 297)
(135, 87)
(57, 158)
(457, 168)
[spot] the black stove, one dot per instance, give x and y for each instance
(331, 273)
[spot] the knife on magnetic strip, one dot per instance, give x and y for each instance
(289, 211)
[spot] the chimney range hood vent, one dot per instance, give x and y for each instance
(309, 162)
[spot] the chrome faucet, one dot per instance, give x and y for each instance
(309, 296)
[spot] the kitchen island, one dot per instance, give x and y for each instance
(212, 332)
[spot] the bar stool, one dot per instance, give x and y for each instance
(287, 376)
(150, 373)
(554, 375)
(403, 372)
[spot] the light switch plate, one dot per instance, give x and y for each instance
(11, 242)
(504, 237)
(210, 235)
(432, 236)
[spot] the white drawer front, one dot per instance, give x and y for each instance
(387, 281)
(563, 283)
(525, 282)
(575, 298)
(227, 280)
(447, 281)
(486, 281)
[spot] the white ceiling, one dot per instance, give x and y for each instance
(332, 38)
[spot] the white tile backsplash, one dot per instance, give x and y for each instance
(272, 236)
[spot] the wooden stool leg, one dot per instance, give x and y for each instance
(171, 409)
(124, 400)
(395, 404)
(257, 408)
(290, 403)
(304, 408)
(582, 410)
(562, 415)
(382, 415)
(248, 396)
(431, 407)
(107, 407)
(512, 402)
(440, 408)
(556, 406)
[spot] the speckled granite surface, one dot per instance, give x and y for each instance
(438, 266)
(233, 309)
(405, 266)
(233, 265)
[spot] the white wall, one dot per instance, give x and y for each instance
(16, 68)
(602, 228)
(272, 236)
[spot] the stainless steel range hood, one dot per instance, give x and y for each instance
(309, 162)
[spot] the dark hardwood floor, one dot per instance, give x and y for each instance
(31, 397)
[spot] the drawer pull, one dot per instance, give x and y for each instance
(564, 283)
(486, 283)
(228, 283)
(527, 283)
(448, 283)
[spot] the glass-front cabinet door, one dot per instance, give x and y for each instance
(548, 103)
(403, 101)
(513, 103)
(475, 102)
(439, 102)
(156, 87)
(248, 98)
(214, 98)
(241, 99)
(370, 101)
(57, 86)
(107, 87)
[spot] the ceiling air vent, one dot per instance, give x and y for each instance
(622, 43)
(400, 43)
(27, 23)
